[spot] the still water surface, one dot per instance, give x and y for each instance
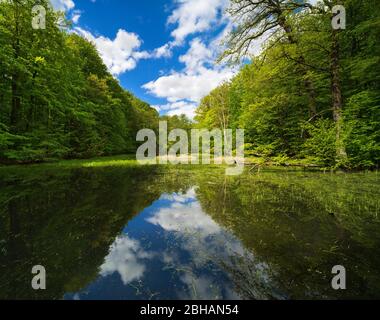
(188, 233)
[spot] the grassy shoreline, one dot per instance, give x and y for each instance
(251, 163)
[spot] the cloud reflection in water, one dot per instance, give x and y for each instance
(171, 250)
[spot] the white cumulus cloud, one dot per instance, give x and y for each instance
(194, 16)
(184, 90)
(120, 54)
(178, 108)
(63, 5)
(191, 87)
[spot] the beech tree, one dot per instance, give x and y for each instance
(305, 64)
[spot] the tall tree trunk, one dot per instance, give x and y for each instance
(2, 96)
(312, 97)
(16, 101)
(308, 83)
(341, 154)
(30, 120)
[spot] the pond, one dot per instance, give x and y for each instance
(182, 232)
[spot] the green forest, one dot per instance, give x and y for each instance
(313, 93)
(57, 99)
(300, 221)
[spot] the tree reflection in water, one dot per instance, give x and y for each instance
(187, 233)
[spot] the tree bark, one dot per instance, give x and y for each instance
(312, 97)
(308, 83)
(341, 154)
(16, 101)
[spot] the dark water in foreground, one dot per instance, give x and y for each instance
(188, 233)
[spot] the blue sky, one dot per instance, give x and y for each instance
(163, 51)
